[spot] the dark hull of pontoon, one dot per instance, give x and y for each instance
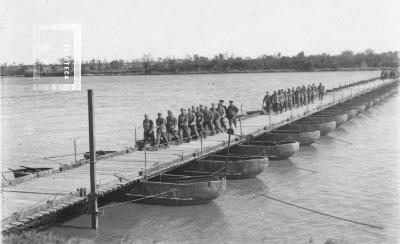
(326, 116)
(236, 169)
(279, 151)
(324, 127)
(305, 138)
(175, 194)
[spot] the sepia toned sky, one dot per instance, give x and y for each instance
(130, 28)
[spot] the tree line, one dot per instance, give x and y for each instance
(221, 63)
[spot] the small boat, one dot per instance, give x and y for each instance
(86, 155)
(176, 190)
(304, 137)
(309, 125)
(273, 150)
(338, 118)
(239, 167)
(16, 173)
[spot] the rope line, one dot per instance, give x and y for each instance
(309, 170)
(135, 200)
(308, 209)
(340, 140)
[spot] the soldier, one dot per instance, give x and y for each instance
(232, 114)
(313, 92)
(201, 109)
(266, 104)
(192, 122)
(293, 97)
(161, 129)
(222, 112)
(148, 130)
(200, 122)
(217, 119)
(298, 91)
(172, 122)
(289, 99)
(274, 99)
(279, 101)
(284, 100)
(183, 124)
(320, 91)
(208, 120)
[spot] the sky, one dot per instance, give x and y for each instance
(128, 29)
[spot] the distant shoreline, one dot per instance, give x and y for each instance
(212, 73)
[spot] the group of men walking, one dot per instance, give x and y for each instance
(283, 100)
(389, 74)
(193, 123)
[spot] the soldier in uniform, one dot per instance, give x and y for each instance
(217, 119)
(304, 95)
(148, 130)
(183, 124)
(289, 99)
(274, 99)
(284, 100)
(172, 123)
(200, 122)
(279, 101)
(293, 97)
(201, 109)
(266, 103)
(208, 121)
(232, 114)
(320, 91)
(222, 112)
(192, 122)
(161, 124)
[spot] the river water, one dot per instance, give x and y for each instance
(357, 179)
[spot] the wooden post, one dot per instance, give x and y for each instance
(230, 132)
(145, 163)
(201, 145)
(291, 114)
(269, 118)
(75, 148)
(333, 97)
(241, 109)
(307, 106)
(92, 146)
(342, 95)
(227, 156)
(241, 133)
(135, 139)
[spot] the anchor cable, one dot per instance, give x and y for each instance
(135, 200)
(304, 208)
(340, 140)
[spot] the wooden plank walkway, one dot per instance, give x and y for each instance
(28, 198)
